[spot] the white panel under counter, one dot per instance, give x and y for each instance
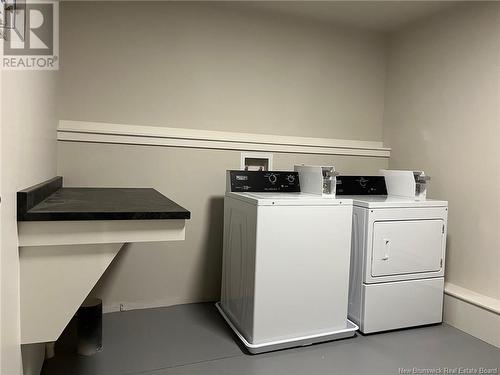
(55, 280)
(53, 233)
(69, 236)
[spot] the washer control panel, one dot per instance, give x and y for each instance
(264, 181)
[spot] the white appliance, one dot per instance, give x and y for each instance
(286, 262)
(397, 260)
(317, 179)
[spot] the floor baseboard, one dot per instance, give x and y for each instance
(473, 319)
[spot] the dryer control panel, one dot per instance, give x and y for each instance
(361, 185)
(263, 181)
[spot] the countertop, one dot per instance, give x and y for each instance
(50, 201)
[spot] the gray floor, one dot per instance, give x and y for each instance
(193, 339)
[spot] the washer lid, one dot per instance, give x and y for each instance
(288, 199)
(391, 201)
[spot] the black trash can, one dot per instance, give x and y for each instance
(89, 327)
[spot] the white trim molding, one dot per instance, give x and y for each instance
(471, 312)
(100, 132)
(479, 300)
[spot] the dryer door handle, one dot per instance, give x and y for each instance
(387, 245)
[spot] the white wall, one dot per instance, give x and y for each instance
(442, 114)
(28, 156)
(205, 66)
(221, 67)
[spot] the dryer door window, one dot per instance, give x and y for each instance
(403, 247)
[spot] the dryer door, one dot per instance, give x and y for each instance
(407, 246)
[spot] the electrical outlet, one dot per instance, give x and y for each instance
(256, 161)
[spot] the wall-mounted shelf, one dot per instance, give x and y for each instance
(69, 236)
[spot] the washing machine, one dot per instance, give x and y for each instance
(286, 258)
(398, 251)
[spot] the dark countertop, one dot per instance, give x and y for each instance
(53, 202)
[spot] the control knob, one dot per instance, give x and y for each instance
(273, 178)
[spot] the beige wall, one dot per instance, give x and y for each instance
(205, 66)
(160, 274)
(217, 66)
(28, 156)
(1, 210)
(442, 114)
(221, 67)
